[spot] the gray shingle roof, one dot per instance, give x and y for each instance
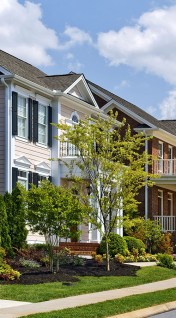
(33, 74)
(140, 112)
(62, 82)
(21, 68)
(169, 124)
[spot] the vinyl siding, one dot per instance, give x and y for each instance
(2, 140)
(34, 153)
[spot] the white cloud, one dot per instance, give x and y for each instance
(76, 37)
(168, 106)
(75, 66)
(23, 33)
(122, 84)
(149, 45)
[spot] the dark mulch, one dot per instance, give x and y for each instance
(69, 273)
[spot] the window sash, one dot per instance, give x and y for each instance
(22, 117)
(42, 124)
(23, 178)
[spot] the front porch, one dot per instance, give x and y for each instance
(167, 222)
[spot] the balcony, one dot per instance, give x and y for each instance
(68, 150)
(164, 167)
(168, 223)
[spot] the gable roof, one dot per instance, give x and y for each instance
(169, 124)
(60, 82)
(21, 68)
(136, 110)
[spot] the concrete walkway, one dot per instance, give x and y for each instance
(86, 299)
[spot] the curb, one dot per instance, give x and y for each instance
(147, 312)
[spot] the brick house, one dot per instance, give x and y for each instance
(30, 100)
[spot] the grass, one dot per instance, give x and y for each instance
(43, 292)
(113, 307)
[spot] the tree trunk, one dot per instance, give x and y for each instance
(107, 256)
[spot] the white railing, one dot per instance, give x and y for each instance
(68, 150)
(164, 167)
(168, 223)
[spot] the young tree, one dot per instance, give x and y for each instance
(52, 211)
(5, 240)
(113, 160)
(15, 207)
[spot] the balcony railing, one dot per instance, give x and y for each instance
(165, 167)
(68, 150)
(168, 223)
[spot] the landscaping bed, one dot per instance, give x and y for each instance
(70, 273)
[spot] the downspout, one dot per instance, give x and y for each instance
(146, 186)
(7, 138)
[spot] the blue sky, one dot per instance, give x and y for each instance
(125, 46)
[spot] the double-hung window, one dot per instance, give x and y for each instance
(22, 117)
(31, 120)
(42, 124)
(23, 178)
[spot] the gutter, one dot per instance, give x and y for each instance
(7, 137)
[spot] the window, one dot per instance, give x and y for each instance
(42, 125)
(23, 178)
(75, 118)
(22, 117)
(160, 202)
(31, 120)
(170, 203)
(41, 178)
(160, 157)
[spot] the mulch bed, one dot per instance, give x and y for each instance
(70, 273)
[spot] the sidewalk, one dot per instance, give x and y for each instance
(86, 299)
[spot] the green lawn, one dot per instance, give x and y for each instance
(43, 292)
(113, 307)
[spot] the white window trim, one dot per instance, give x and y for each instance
(171, 199)
(46, 109)
(22, 178)
(27, 114)
(161, 196)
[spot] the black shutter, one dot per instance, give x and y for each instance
(35, 178)
(50, 179)
(35, 121)
(30, 119)
(29, 179)
(14, 176)
(49, 126)
(14, 113)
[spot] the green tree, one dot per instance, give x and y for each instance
(113, 160)
(5, 240)
(15, 207)
(53, 211)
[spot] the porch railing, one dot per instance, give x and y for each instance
(68, 150)
(164, 167)
(168, 223)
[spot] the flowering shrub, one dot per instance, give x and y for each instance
(8, 273)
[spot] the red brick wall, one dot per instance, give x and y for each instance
(153, 201)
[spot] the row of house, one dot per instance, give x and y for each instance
(30, 100)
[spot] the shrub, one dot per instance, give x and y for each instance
(165, 260)
(134, 244)
(29, 263)
(117, 244)
(119, 258)
(98, 258)
(8, 273)
(164, 244)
